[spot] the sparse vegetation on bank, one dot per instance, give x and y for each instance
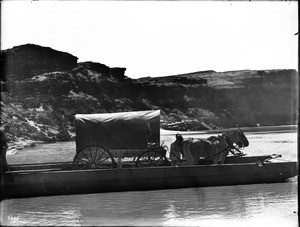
(39, 100)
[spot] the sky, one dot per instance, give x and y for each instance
(159, 38)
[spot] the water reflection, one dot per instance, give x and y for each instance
(191, 206)
(235, 205)
(40, 211)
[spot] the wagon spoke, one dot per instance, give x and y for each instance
(86, 156)
(94, 156)
(103, 151)
(157, 161)
(144, 159)
(100, 156)
(96, 153)
(91, 155)
(150, 158)
(80, 159)
(103, 160)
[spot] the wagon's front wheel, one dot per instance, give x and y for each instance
(94, 157)
(152, 158)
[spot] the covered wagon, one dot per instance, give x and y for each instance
(102, 140)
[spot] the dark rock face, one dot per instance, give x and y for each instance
(42, 98)
(118, 72)
(246, 98)
(103, 69)
(28, 60)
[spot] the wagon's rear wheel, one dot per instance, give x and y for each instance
(94, 157)
(152, 158)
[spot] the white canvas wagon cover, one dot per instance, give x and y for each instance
(117, 131)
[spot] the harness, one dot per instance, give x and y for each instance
(230, 141)
(188, 142)
(228, 146)
(224, 137)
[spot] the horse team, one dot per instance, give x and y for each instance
(213, 150)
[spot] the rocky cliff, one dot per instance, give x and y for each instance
(45, 88)
(28, 60)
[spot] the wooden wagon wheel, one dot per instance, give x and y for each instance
(94, 156)
(152, 158)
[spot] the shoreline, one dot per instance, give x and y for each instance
(258, 129)
(65, 151)
(17, 146)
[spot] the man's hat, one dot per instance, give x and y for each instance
(179, 137)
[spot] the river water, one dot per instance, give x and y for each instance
(240, 205)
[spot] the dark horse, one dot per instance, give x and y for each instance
(213, 149)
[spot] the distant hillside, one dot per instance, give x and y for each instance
(44, 89)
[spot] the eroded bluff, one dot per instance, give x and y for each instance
(45, 88)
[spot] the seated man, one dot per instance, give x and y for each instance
(3, 147)
(175, 153)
